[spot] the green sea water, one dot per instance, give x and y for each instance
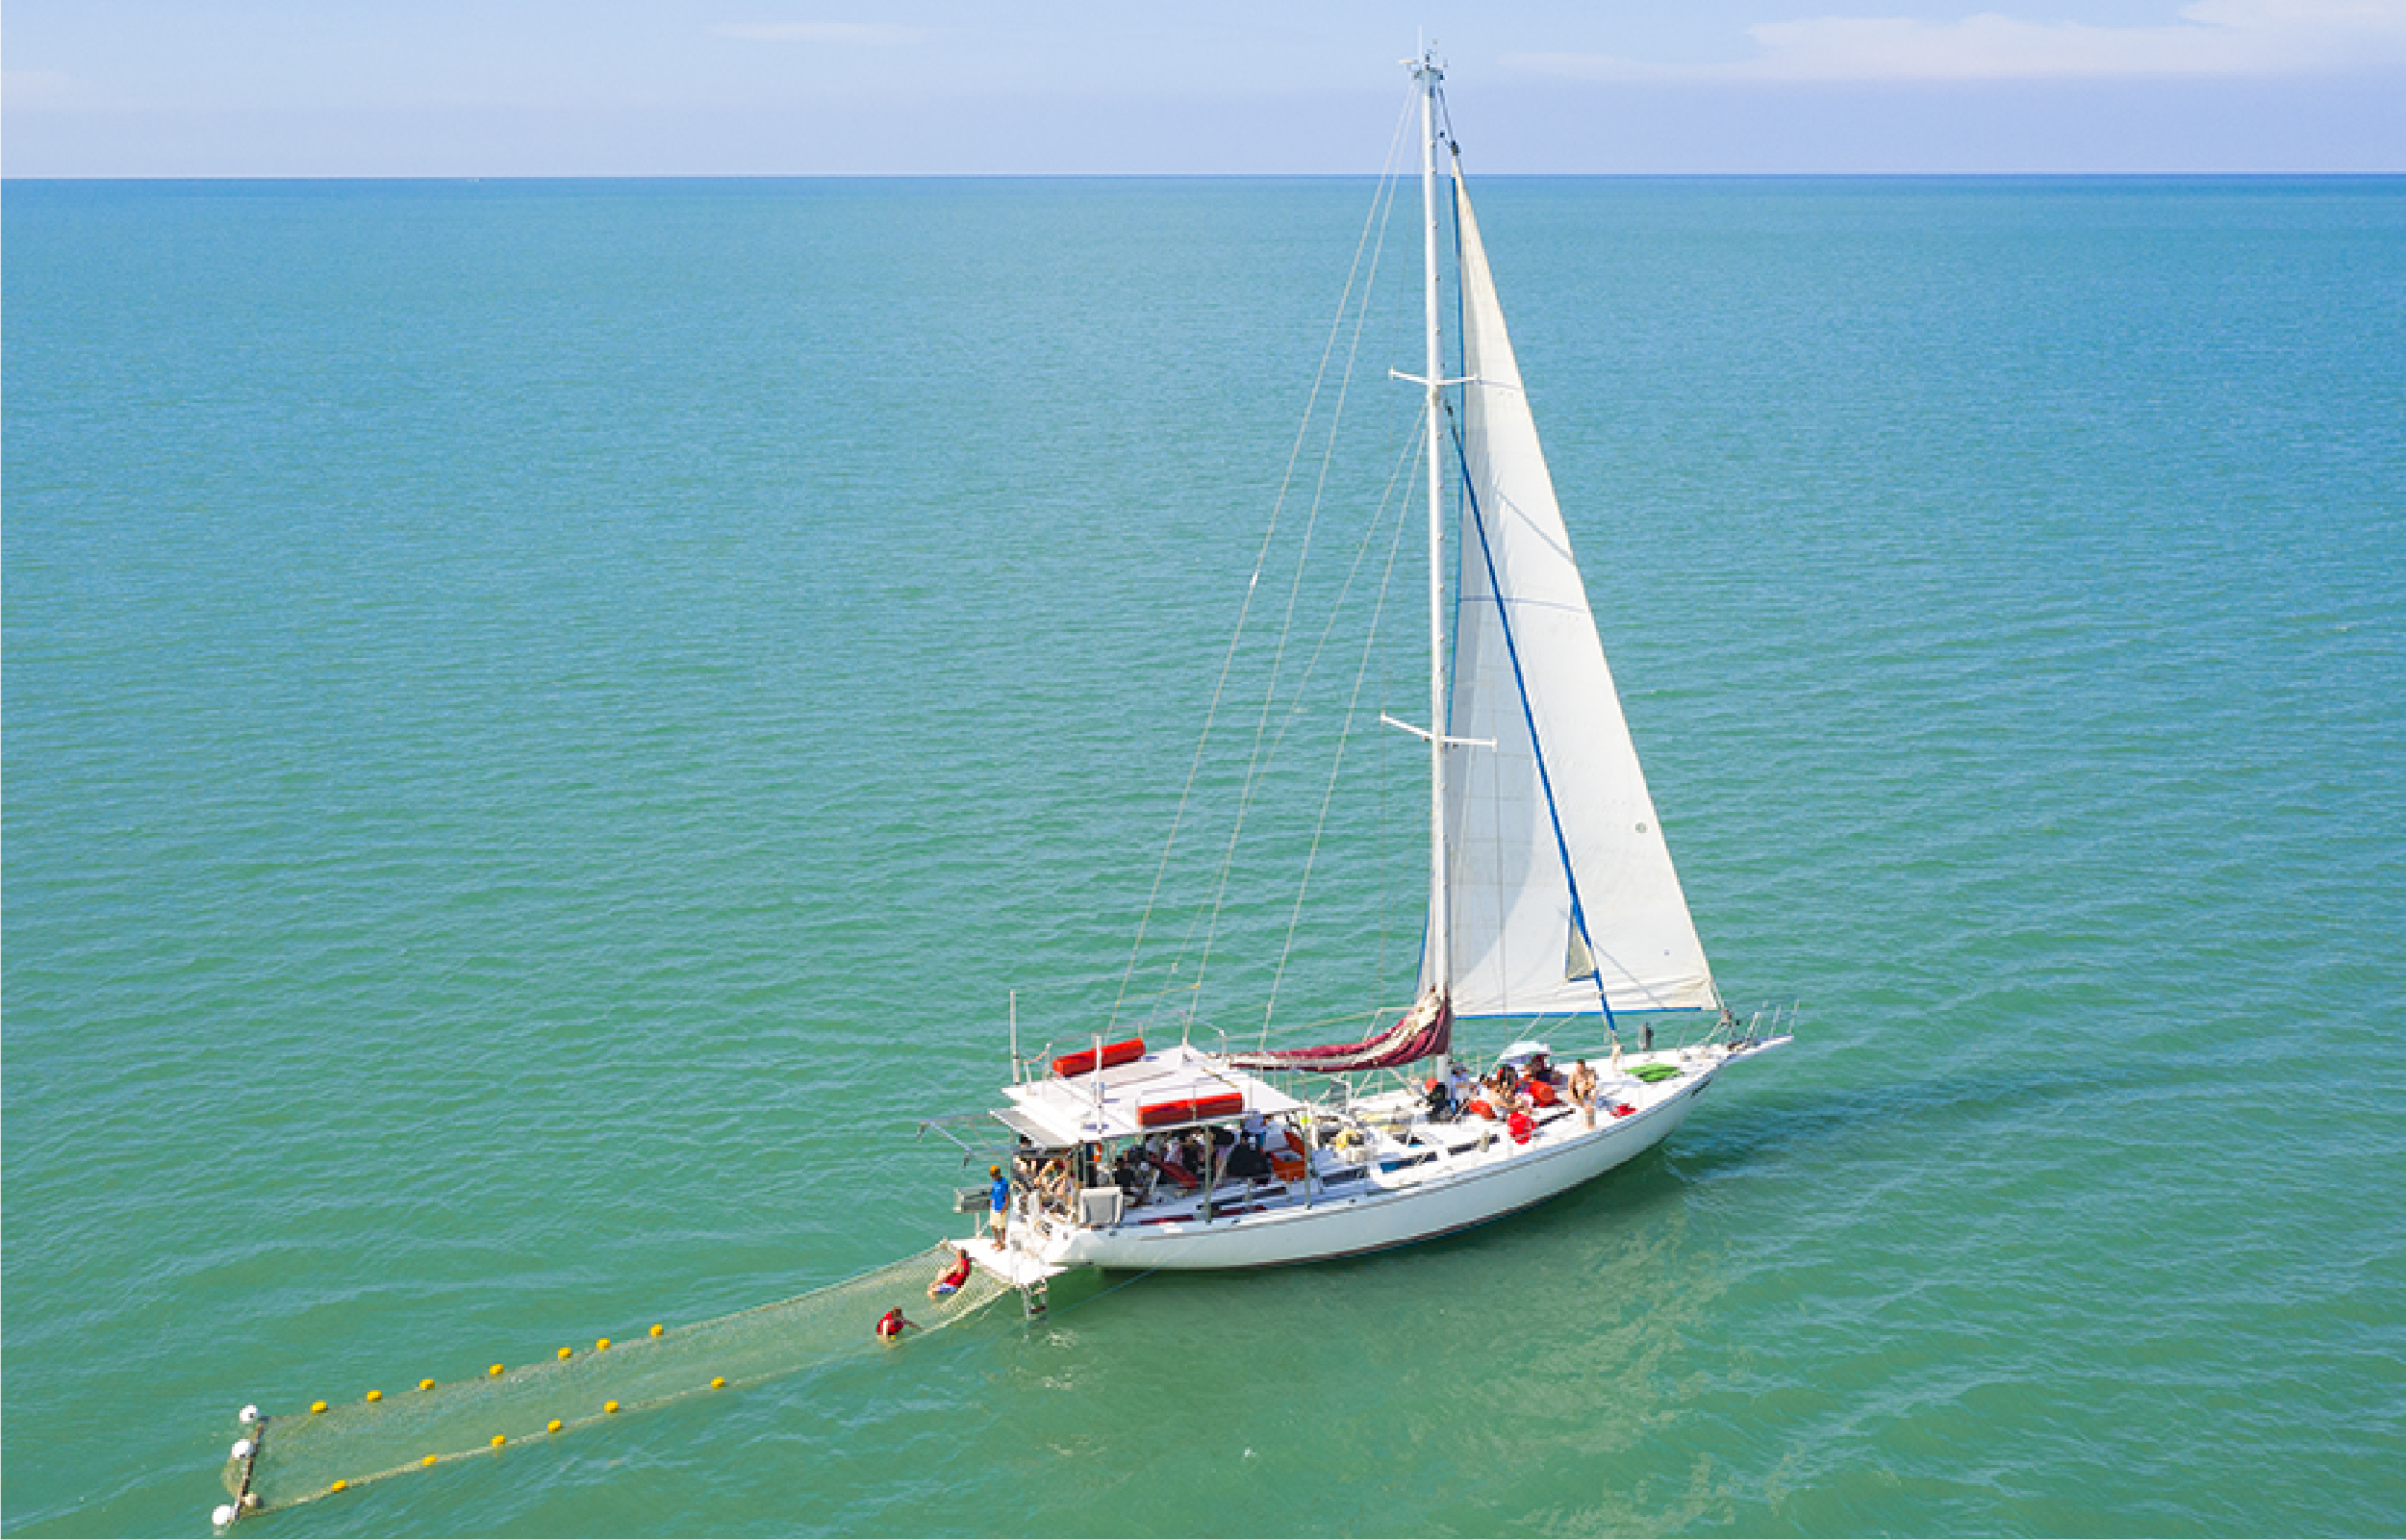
(545, 721)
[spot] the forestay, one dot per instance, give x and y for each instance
(1560, 875)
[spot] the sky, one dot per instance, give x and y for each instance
(783, 88)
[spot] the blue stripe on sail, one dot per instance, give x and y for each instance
(1537, 749)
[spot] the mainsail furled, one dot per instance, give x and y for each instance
(1422, 1032)
(1564, 894)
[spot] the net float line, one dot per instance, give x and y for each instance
(284, 1460)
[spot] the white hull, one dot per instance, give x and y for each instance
(1438, 1197)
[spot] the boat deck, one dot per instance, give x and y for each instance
(1378, 1146)
(1010, 1265)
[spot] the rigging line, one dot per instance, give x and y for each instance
(1258, 761)
(1323, 1024)
(1407, 468)
(1257, 772)
(1226, 664)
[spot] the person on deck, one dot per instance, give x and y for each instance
(1054, 1190)
(1001, 1200)
(1584, 1090)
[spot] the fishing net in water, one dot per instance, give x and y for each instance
(309, 1455)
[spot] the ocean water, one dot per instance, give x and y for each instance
(545, 721)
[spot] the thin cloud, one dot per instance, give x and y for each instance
(36, 90)
(846, 33)
(2215, 37)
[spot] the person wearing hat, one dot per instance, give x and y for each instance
(1001, 1215)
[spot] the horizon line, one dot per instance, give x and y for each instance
(1164, 176)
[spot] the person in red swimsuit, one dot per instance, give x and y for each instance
(892, 1325)
(949, 1281)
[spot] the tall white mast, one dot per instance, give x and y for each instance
(1440, 906)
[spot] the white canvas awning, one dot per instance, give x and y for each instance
(1058, 1112)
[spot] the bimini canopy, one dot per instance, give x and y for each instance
(1060, 1111)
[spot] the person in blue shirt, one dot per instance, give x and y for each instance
(1001, 1215)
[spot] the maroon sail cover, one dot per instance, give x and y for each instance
(1424, 1032)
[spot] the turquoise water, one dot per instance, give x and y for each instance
(546, 720)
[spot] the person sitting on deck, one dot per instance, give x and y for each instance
(1538, 1071)
(949, 1282)
(1584, 1090)
(1440, 1101)
(1058, 1184)
(1168, 1157)
(1246, 1161)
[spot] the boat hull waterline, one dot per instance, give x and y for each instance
(1415, 1180)
(1418, 1207)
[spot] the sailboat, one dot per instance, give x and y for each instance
(1552, 895)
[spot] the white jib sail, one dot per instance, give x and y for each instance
(1560, 877)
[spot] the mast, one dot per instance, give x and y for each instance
(1440, 905)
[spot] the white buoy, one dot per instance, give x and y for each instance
(243, 1448)
(249, 1414)
(221, 1515)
